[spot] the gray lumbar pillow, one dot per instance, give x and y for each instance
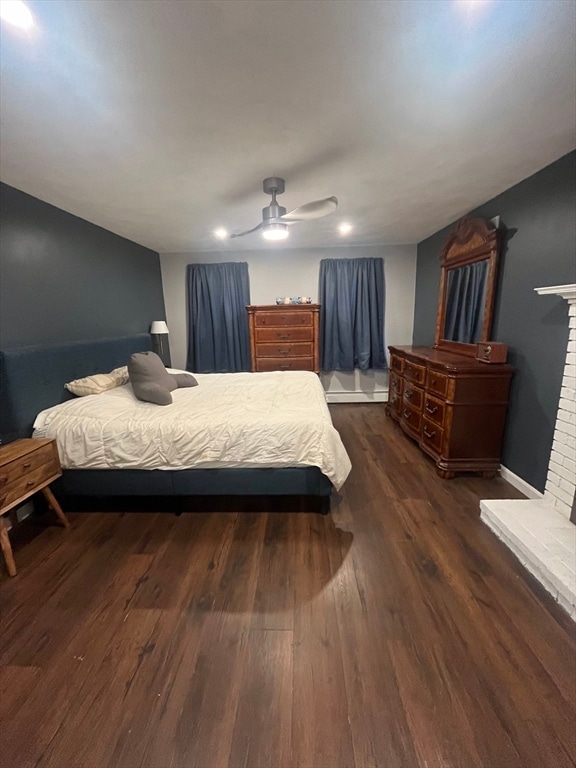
(151, 381)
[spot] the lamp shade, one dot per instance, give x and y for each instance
(159, 326)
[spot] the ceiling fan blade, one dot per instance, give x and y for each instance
(241, 234)
(314, 210)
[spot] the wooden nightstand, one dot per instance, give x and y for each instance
(26, 466)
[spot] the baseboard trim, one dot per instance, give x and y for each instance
(379, 396)
(520, 484)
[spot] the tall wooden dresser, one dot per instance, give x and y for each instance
(284, 337)
(454, 406)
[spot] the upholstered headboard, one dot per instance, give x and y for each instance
(33, 378)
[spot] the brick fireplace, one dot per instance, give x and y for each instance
(541, 532)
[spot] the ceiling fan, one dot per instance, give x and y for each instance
(275, 220)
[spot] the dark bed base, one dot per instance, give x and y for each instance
(32, 378)
(298, 481)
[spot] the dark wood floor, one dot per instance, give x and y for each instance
(397, 631)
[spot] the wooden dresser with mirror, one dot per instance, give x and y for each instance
(451, 403)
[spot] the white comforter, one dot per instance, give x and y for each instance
(275, 419)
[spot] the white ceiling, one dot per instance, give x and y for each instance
(158, 120)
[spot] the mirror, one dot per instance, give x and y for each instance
(469, 262)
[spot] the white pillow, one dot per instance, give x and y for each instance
(99, 382)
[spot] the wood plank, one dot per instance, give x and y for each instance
(262, 731)
(274, 599)
(321, 729)
(203, 725)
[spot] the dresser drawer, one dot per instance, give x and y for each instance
(285, 350)
(414, 372)
(284, 364)
(436, 383)
(395, 403)
(413, 396)
(431, 436)
(266, 319)
(284, 334)
(411, 418)
(396, 363)
(434, 409)
(396, 384)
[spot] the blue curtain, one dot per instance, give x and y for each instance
(352, 314)
(465, 299)
(218, 340)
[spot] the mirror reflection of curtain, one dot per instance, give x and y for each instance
(351, 293)
(218, 340)
(465, 302)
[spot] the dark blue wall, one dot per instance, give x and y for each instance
(540, 216)
(64, 279)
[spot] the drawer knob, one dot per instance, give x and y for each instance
(30, 483)
(428, 434)
(430, 408)
(285, 365)
(27, 465)
(408, 393)
(406, 414)
(283, 335)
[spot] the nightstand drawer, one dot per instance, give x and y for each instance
(42, 457)
(285, 364)
(27, 484)
(284, 350)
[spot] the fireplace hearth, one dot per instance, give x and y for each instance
(542, 532)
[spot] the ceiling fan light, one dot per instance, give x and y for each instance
(275, 232)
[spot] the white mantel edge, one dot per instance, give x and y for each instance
(567, 292)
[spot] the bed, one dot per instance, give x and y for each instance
(33, 381)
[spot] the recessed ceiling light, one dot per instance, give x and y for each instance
(345, 228)
(16, 13)
(220, 233)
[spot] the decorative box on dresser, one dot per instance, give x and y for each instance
(284, 337)
(453, 405)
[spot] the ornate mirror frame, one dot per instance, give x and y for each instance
(471, 240)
